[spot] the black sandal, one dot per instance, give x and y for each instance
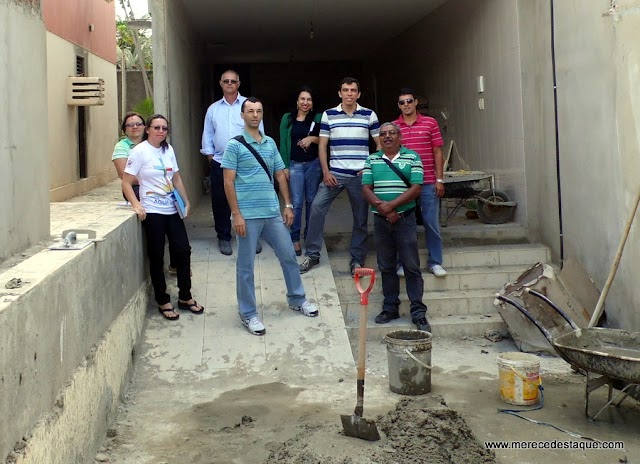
(164, 312)
(190, 306)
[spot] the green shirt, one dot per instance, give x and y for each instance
(122, 148)
(387, 185)
(285, 136)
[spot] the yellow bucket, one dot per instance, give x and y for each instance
(519, 376)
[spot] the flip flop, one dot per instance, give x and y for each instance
(164, 312)
(190, 307)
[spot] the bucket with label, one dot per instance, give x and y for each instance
(519, 377)
(409, 359)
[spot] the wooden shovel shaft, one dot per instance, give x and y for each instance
(612, 273)
(362, 356)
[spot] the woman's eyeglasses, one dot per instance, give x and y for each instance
(134, 124)
(160, 128)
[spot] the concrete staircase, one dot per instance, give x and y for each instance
(459, 304)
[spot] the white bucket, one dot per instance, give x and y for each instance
(519, 376)
(409, 358)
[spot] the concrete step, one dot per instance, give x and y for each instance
(441, 326)
(457, 278)
(458, 303)
(525, 254)
(471, 233)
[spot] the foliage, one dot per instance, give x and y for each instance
(127, 49)
(145, 108)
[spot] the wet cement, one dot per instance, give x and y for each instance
(418, 430)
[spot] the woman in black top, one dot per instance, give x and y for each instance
(299, 131)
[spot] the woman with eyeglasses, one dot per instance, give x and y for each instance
(153, 163)
(299, 131)
(133, 128)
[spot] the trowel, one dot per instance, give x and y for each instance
(355, 425)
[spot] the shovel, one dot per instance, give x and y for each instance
(355, 425)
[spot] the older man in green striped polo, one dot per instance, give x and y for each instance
(391, 182)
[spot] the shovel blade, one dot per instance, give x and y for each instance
(359, 427)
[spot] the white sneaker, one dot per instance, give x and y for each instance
(307, 308)
(254, 325)
(400, 271)
(438, 270)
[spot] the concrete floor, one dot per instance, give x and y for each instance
(196, 378)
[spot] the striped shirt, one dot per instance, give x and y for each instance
(257, 198)
(348, 138)
(422, 136)
(387, 185)
(122, 148)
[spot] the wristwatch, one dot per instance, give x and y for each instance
(439, 181)
(288, 206)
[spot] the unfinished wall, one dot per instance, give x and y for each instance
(101, 122)
(24, 178)
(177, 89)
(51, 326)
(538, 112)
(598, 57)
(442, 56)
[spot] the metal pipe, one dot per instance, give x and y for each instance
(557, 137)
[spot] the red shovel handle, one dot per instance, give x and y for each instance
(362, 272)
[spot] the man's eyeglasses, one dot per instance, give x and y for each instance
(134, 124)
(160, 128)
(229, 81)
(408, 101)
(391, 133)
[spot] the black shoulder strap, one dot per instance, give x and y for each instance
(397, 171)
(241, 139)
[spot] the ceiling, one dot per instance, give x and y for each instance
(250, 31)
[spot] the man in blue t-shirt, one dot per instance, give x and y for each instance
(249, 170)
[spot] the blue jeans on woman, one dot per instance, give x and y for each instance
(304, 179)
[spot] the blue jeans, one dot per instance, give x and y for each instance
(430, 204)
(393, 241)
(304, 179)
(320, 208)
(274, 232)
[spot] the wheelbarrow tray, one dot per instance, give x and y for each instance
(466, 186)
(611, 352)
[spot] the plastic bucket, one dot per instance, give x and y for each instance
(409, 358)
(519, 376)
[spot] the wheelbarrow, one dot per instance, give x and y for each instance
(614, 354)
(493, 206)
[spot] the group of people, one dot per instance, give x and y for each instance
(319, 156)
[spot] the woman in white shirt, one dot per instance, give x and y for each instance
(153, 163)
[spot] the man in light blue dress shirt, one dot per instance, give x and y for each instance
(221, 123)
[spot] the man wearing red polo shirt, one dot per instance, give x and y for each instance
(422, 135)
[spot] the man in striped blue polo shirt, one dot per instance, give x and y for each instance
(393, 204)
(345, 130)
(250, 165)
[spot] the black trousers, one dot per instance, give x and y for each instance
(136, 191)
(219, 204)
(156, 227)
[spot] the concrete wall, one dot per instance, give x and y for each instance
(134, 89)
(177, 88)
(102, 124)
(66, 351)
(24, 177)
(543, 221)
(442, 56)
(598, 62)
